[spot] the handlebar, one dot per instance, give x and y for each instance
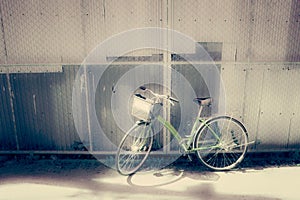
(160, 96)
(173, 99)
(143, 88)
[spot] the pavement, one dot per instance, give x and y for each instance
(81, 179)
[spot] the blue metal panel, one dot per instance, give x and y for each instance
(7, 132)
(43, 110)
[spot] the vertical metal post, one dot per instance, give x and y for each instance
(167, 73)
(87, 99)
(166, 90)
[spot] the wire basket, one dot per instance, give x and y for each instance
(141, 107)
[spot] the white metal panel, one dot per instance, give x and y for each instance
(274, 113)
(271, 105)
(292, 105)
(253, 94)
(125, 15)
(266, 97)
(233, 77)
(2, 49)
(93, 23)
(270, 23)
(128, 14)
(2, 38)
(42, 31)
(293, 47)
(30, 69)
(205, 21)
(259, 29)
(66, 31)
(61, 31)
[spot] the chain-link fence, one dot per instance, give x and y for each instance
(254, 44)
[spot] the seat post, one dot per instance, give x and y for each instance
(200, 111)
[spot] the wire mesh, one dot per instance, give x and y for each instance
(255, 44)
(249, 30)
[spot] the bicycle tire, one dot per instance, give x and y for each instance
(134, 148)
(222, 143)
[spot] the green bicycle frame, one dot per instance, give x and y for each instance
(197, 125)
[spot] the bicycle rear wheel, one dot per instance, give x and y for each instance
(134, 148)
(221, 143)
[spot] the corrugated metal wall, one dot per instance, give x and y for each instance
(259, 64)
(42, 111)
(8, 141)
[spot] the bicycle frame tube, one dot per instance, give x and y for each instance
(215, 134)
(199, 123)
(175, 133)
(204, 124)
(171, 128)
(196, 126)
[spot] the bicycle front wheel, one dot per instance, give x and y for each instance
(134, 148)
(221, 143)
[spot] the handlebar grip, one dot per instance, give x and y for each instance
(141, 96)
(143, 88)
(173, 99)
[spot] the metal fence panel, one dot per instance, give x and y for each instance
(7, 129)
(2, 40)
(30, 26)
(69, 29)
(280, 87)
(36, 109)
(43, 110)
(270, 105)
(106, 88)
(249, 30)
(234, 80)
(254, 29)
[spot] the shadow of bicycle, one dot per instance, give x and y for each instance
(168, 176)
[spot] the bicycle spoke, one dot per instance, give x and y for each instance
(228, 150)
(132, 161)
(127, 160)
(134, 149)
(215, 154)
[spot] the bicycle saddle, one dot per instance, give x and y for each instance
(206, 101)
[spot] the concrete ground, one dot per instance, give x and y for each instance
(89, 179)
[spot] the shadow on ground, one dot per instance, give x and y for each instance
(180, 180)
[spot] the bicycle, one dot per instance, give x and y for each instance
(220, 143)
